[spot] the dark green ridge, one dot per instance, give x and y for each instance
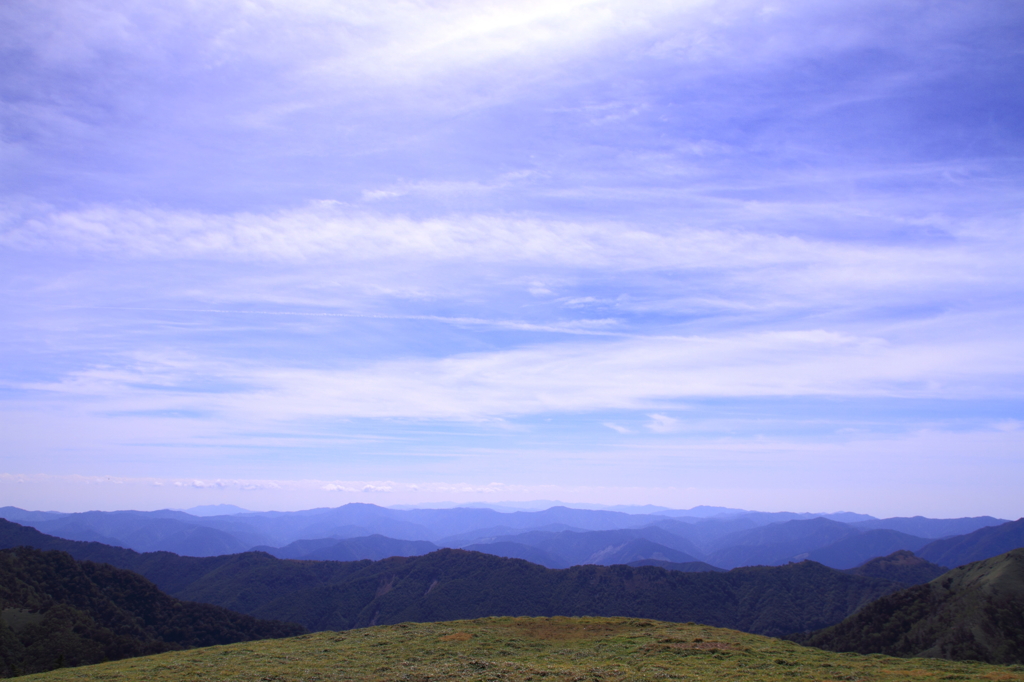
(902, 567)
(972, 612)
(685, 567)
(56, 611)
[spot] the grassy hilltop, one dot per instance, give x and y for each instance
(514, 649)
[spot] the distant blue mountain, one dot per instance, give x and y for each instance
(28, 517)
(777, 543)
(983, 543)
(566, 536)
(298, 549)
(854, 550)
(931, 528)
(372, 547)
(487, 534)
(607, 547)
(517, 550)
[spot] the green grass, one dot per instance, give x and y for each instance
(513, 649)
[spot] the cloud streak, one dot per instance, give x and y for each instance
(632, 374)
(573, 277)
(967, 252)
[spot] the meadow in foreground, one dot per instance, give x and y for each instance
(527, 649)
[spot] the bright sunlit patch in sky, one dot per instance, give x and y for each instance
(748, 254)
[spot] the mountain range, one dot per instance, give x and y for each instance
(450, 583)
(557, 537)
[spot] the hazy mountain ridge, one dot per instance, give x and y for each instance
(977, 546)
(373, 547)
(923, 527)
(494, 534)
(576, 548)
(726, 538)
(517, 550)
(854, 550)
(777, 543)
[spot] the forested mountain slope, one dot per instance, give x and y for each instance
(972, 612)
(902, 567)
(57, 612)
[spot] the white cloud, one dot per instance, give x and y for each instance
(762, 268)
(632, 373)
(617, 428)
(661, 423)
(377, 194)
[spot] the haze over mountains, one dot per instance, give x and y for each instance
(899, 603)
(454, 584)
(557, 537)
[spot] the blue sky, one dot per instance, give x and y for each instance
(284, 255)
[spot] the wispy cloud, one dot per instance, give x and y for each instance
(585, 327)
(661, 423)
(967, 254)
(635, 373)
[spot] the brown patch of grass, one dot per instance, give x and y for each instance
(908, 673)
(695, 645)
(562, 628)
(457, 637)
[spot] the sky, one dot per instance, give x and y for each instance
(286, 255)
